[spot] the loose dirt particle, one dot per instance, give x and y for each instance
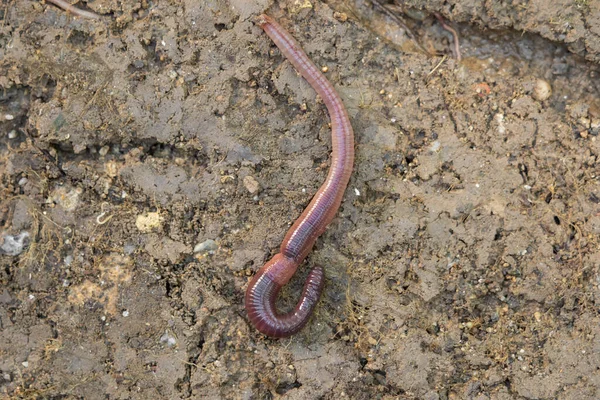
(148, 222)
(251, 184)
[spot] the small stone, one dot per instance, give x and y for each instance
(251, 184)
(583, 134)
(12, 134)
(23, 181)
(126, 313)
(9, 117)
(79, 148)
(541, 90)
(324, 69)
(104, 151)
(13, 245)
(168, 339)
(208, 246)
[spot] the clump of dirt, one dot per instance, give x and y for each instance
(152, 160)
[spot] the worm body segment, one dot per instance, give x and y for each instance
(265, 285)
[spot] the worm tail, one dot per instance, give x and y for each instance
(260, 303)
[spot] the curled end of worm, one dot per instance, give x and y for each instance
(260, 304)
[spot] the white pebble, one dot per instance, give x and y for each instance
(542, 90)
(208, 246)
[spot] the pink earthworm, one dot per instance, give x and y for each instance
(265, 285)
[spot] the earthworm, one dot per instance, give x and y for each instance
(453, 32)
(73, 10)
(265, 285)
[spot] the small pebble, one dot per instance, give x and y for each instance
(12, 134)
(541, 90)
(79, 148)
(324, 69)
(13, 245)
(251, 184)
(104, 151)
(169, 339)
(208, 246)
(9, 117)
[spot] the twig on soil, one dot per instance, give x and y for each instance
(453, 32)
(437, 66)
(400, 22)
(73, 10)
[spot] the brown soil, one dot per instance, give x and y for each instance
(151, 161)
